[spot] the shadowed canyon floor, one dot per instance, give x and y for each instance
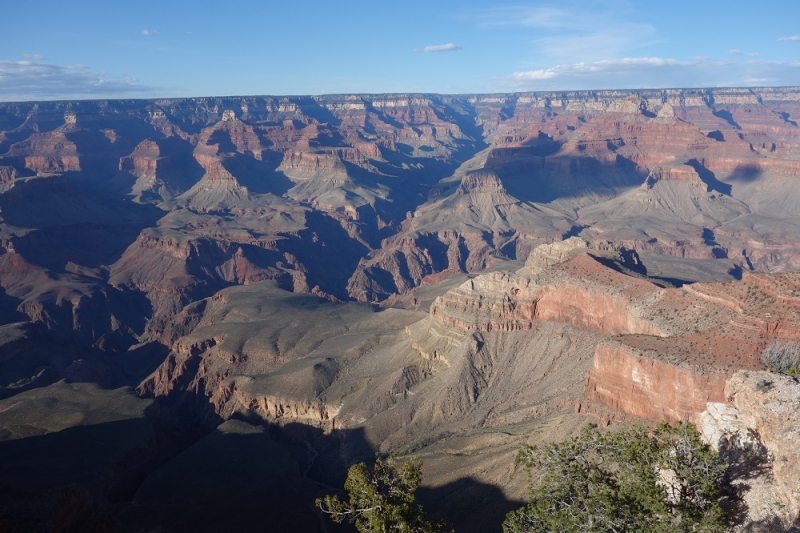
(211, 307)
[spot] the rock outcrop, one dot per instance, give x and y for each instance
(760, 429)
(667, 351)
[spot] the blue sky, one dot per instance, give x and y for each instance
(169, 48)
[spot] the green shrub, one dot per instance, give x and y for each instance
(382, 501)
(639, 479)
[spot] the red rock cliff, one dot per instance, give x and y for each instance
(629, 381)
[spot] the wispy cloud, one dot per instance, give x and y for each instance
(533, 16)
(574, 32)
(449, 47)
(25, 80)
(33, 57)
(148, 33)
(740, 53)
(654, 72)
(791, 38)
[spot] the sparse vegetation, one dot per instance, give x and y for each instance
(782, 358)
(638, 479)
(23, 381)
(382, 501)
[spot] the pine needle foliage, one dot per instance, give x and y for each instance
(382, 500)
(663, 480)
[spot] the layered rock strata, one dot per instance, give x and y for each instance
(668, 351)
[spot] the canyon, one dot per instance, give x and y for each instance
(258, 292)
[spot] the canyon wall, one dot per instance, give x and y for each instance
(649, 388)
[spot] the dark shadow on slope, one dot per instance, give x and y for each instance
(176, 172)
(736, 271)
(437, 250)
(328, 251)
(542, 145)
(106, 461)
(183, 468)
(8, 309)
(259, 176)
(628, 263)
(708, 177)
(328, 138)
(44, 121)
(37, 357)
(78, 455)
(716, 135)
(138, 363)
(312, 108)
(468, 505)
(178, 168)
(727, 117)
(88, 244)
(744, 465)
(574, 231)
(236, 478)
(12, 116)
(467, 123)
(404, 193)
(71, 224)
(223, 139)
(786, 117)
(709, 239)
(180, 468)
(383, 117)
(10, 138)
(40, 357)
(425, 171)
(99, 157)
(70, 508)
(746, 173)
(532, 178)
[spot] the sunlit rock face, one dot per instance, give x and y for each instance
(758, 429)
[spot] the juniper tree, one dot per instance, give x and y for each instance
(662, 480)
(382, 501)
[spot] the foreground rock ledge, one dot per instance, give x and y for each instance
(763, 420)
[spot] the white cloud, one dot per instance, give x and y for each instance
(148, 33)
(33, 57)
(449, 47)
(654, 72)
(791, 38)
(597, 67)
(25, 80)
